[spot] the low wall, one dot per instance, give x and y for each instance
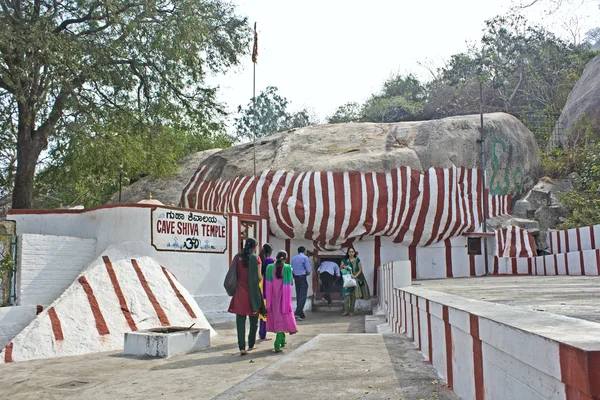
(586, 262)
(575, 239)
(13, 320)
(492, 351)
(49, 264)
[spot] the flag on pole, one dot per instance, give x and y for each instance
(255, 48)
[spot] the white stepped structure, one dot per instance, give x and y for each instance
(113, 295)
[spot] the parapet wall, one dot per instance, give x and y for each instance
(492, 351)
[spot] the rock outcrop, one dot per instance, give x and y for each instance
(584, 99)
(512, 164)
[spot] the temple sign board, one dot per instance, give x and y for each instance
(188, 231)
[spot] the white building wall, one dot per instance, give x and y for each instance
(48, 264)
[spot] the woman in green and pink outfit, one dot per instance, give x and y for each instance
(278, 293)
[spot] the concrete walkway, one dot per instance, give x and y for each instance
(323, 368)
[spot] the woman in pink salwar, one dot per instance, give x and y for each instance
(278, 291)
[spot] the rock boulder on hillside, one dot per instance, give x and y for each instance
(512, 164)
(584, 99)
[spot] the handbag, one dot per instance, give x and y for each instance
(349, 282)
(230, 283)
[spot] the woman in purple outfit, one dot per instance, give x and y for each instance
(278, 290)
(266, 259)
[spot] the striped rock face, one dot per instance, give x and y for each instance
(412, 182)
(111, 297)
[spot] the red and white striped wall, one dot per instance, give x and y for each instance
(574, 252)
(492, 351)
(514, 241)
(113, 296)
(576, 239)
(333, 208)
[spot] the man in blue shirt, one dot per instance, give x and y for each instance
(300, 270)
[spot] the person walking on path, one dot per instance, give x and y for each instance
(300, 270)
(278, 288)
(328, 271)
(266, 259)
(352, 265)
(247, 300)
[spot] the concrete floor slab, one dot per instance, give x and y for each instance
(212, 371)
(572, 296)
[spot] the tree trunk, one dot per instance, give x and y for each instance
(29, 147)
(27, 156)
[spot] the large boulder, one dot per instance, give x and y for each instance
(584, 99)
(512, 160)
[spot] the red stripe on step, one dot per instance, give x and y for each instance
(182, 299)
(477, 358)
(8, 353)
(448, 337)
(418, 322)
(100, 322)
(448, 245)
(119, 293)
(162, 317)
(412, 256)
(429, 332)
(472, 271)
(55, 322)
(377, 256)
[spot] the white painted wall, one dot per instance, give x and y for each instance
(13, 320)
(128, 229)
(49, 264)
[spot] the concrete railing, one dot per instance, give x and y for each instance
(491, 351)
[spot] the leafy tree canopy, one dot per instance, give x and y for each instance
(349, 112)
(66, 64)
(268, 115)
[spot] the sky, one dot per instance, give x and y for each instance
(321, 54)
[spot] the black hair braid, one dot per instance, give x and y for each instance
(247, 251)
(281, 257)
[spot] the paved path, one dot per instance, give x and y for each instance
(572, 296)
(220, 370)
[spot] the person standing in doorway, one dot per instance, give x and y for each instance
(278, 288)
(329, 272)
(300, 270)
(247, 300)
(266, 259)
(352, 265)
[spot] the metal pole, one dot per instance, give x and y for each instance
(484, 194)
(254, 56)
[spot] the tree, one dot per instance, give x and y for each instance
(402, 98)
(269, 115)
(349, 112)
(85, 169)
(66, 63)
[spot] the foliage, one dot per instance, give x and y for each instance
(402, 98)
(6, 265)
(85, 169)
(67, 62)
(269, 115)
(525, 69)
(581, 156)
(349, 112)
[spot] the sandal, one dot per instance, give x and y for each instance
(243, 352)
(344, 314)
(252, 348)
